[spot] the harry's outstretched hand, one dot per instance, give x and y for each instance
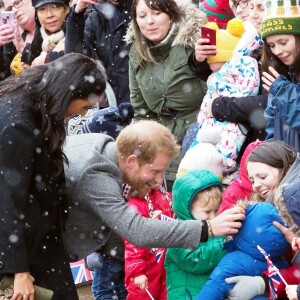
(228, 222)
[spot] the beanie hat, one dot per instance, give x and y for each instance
(188, 186)
(226, 40)
(217, 11)
(281, 17)
(204, 154)
(38, 3)
(110, 120)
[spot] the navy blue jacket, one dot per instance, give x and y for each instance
(102, 36)
(283, 112)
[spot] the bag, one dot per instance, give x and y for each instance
(6, 290)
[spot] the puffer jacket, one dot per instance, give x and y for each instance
(167, 90)
(146, 261)
(187, 269)
(244, 258)
(282, 112)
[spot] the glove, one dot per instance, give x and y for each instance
(94, 261)
(246, 287)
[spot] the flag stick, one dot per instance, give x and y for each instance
(149, 294)
(282, 277)
(266, 256)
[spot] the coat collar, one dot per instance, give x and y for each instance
(161, 51)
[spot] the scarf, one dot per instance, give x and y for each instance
(50, 41)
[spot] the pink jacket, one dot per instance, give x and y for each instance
(241, 187)
(145, 261)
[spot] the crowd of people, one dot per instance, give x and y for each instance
(162, 157)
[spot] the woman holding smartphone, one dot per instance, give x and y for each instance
(162, 87)
(12, 42)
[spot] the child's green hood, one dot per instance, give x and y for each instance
(187, 186)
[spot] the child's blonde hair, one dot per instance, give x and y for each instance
(205, 196)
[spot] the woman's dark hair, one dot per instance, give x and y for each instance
(142, 45)
(276, 154)
(51, 88)
(35, 48)
(271, 60)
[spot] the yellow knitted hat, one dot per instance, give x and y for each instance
(226, 39)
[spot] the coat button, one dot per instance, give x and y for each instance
(1, 265)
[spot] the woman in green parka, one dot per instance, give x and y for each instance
(196, 195)
(163, 34)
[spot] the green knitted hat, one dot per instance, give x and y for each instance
(281, 17)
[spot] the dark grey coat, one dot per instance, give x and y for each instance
(94, 187)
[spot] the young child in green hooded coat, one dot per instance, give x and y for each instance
(196, 195)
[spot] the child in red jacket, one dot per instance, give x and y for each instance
(145, 275)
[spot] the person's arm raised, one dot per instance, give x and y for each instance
(203, 50)
(81, 5)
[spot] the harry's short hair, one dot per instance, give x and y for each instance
(145, 139)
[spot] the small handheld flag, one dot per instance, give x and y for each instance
(166, 218)
(273, 274)
(149, 294)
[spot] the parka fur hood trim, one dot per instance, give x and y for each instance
(189, 27)
(245, 203)
(279, 202)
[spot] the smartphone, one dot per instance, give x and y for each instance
(7, 18)
(209, 33)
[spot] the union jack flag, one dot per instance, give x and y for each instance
(159, 254)
(273, 273)
(80, 272)
(166, 218)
